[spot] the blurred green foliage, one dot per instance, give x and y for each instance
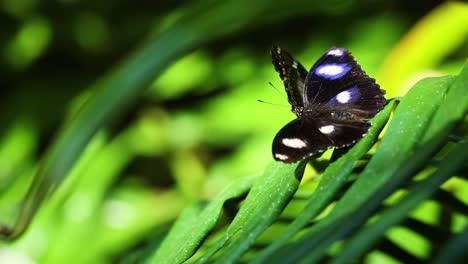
(120, 115)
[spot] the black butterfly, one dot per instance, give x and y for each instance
(333, 103)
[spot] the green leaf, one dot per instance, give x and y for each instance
(454, 250)
(194, 224)
(452, 112)
(269, 195)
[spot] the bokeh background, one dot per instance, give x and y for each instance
(195, 125)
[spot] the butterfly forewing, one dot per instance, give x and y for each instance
(292, 73)
(337, 75)
(338, 99)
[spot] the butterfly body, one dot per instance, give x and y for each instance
(333, 102)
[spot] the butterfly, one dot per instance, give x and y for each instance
(333, 102)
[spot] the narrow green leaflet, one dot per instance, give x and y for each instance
(264, 203)
(453, 110)
(194, 224)
(404, 132)
(454, 250)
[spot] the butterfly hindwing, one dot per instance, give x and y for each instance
(298, 140)
(304, 137)
(292, 73)
(337, 79)
(343, 133)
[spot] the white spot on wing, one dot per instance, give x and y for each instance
(330, 70)
(294, 65)
(294, 142)
(327, 129)
(335, 52)
(281, 156)
(343, 97)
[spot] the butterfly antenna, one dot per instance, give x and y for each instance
(261, 101)
(274, 87)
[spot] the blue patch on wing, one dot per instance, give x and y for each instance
(332, 71)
